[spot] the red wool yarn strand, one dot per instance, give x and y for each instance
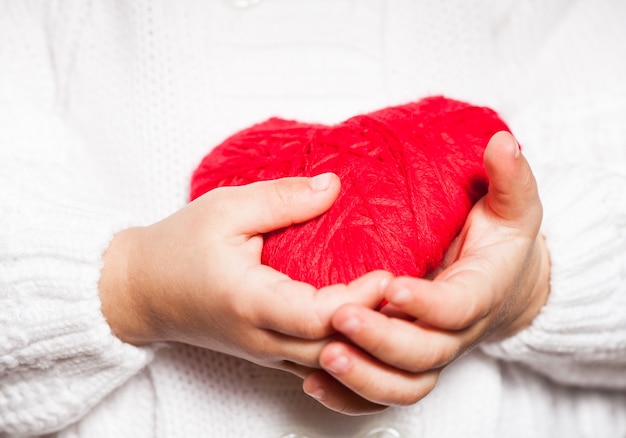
(410, 175)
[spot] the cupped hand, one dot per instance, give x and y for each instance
(493, 281)
(196, 277)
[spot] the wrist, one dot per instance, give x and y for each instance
(121, 298)
(540, 289)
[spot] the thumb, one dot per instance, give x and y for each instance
(265, 206)
(512, 193)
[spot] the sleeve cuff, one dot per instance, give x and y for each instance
(58, 356)
(579, 337)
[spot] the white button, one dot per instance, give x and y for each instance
(294, 435)
(383, 432)
(244, 3)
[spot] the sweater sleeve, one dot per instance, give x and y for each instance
(58, 357)
(579, 337)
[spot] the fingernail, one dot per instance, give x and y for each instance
(401, 296)
(317, 393)
(321, 182)
(518, 148)
(338, 365)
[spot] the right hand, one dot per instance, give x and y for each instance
(196, 277)
(494, 280)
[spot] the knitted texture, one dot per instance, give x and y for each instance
(410, 174)
(148, 85)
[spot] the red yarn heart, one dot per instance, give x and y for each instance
(410, 175)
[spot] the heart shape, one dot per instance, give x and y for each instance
(410, 175)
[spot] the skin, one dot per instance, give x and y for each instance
(494, 280)
(196, 277)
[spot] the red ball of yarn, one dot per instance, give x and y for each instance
(410, 175)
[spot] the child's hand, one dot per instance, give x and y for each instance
(196, 277)
(494, 280)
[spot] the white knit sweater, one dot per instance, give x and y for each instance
(107, 106)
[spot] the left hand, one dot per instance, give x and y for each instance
(493, 281)
(196, 277)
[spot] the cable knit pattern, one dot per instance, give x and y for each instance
(107, 106)
(58, 357)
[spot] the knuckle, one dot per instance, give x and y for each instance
(422, 388)
(434, 357)
(242, 309)
(218, 203)
(282, 193)
(412, 391)
(345, 408)
(317, 326)
(410, 398)
(405, 395)
(470, 313)
(474, 306)
(312, 321)
(379, 344)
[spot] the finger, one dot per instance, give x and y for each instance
(512, 193)
(459, 298)
(298, 309)
(296, 369)
(407, 345)
(286, 352)
(332, 394)
(373, 380)
(269, 205)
